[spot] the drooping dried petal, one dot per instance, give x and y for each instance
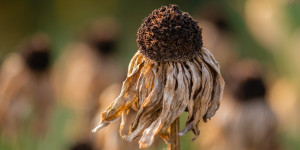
(161, 91)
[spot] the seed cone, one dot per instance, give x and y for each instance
(168, 34)
(160, 87)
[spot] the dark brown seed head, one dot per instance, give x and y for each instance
(168, 34)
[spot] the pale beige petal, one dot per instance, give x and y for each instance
(128, 95)
(218, 83)
(216, 97)
(196, 80)
(169, 95)
(154, 98)
(134, 62)
(143, 85)
(181, 97)
(210, 59)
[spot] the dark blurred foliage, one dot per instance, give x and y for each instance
(82, 146)
(63, 20)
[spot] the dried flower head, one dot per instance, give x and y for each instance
(102, 36)
(36, 53)
(169, 34)
(169, 74)
(26, 87)
(246, 80)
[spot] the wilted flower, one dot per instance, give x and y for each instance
(172, 72)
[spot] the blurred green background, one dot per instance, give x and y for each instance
(264, 30)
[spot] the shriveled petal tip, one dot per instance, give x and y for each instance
(186, 130)
(104, 124)
(100, 126)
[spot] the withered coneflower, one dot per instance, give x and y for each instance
(172, 72)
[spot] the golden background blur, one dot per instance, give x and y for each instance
(62, 63)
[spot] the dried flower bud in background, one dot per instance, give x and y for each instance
(245, 120)
(26, 88)
(85, 68)
(170, 73)
(103, 36)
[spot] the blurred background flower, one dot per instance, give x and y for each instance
(92, 43)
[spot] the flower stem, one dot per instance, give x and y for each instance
(174, 138)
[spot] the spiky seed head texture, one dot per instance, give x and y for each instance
(168, 34)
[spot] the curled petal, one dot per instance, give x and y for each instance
(135, 60)
(216, 96)
(127, 96)
(153, 99)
